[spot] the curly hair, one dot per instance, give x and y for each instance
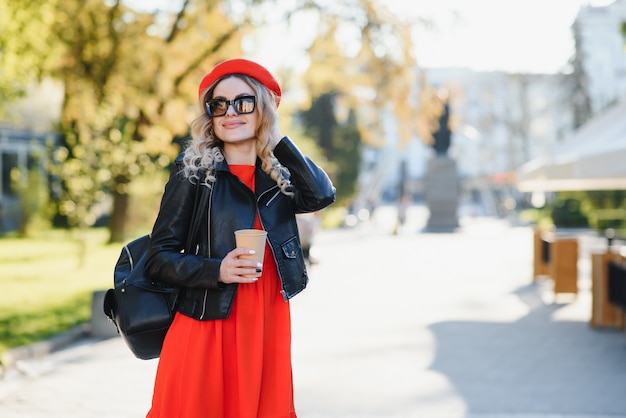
(205, 149)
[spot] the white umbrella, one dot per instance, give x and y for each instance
(593, 158)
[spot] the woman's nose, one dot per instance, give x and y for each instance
(230, 110)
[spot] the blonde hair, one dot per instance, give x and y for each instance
(205, 150)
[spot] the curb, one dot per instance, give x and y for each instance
(42, 348)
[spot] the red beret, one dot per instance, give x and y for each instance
(240, 66)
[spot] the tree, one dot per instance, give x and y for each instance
(340, 141)
(130, 84)
(130, 79)
(347, 149)
(363, 86)
(25, 53)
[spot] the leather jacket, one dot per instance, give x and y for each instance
(231, 206)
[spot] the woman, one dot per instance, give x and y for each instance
(228, 351)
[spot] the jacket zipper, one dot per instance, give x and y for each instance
(206, 291)
(282, 285)
(272, 198)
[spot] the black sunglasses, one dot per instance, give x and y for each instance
(242, 105)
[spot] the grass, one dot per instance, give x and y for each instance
(47, 283)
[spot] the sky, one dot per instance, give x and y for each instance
(486, 35)
(509, 35)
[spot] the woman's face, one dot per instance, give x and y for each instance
(234, 128)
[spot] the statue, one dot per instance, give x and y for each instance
(442, 136)
(442, 188)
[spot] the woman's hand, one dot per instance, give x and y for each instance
(275, 136)
(237, 270)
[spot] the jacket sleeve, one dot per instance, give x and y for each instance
(312, 187)
(166, 261)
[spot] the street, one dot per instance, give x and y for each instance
(412, 324)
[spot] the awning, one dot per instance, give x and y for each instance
(593, 158)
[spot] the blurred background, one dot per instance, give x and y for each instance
(96, 97)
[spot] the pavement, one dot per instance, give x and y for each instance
(407, 324)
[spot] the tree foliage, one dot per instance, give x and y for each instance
(130, 79)
(25, 54)
(340, 142)
(356, 84)
(372, 71)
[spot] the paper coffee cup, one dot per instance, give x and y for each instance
(255, 240)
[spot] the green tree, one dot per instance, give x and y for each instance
(347, 150)
(599, 209)
(351, 92)
(129, 90)
(340, 142)
(130, 78)
(25, 53)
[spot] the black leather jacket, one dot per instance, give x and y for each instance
(232, 205)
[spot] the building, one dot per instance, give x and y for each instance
(24, 162)
(504, 120)
(27, 138)
(600, 35)
(591, 157)
(501, 121)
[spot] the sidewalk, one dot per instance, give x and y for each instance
(408, 325)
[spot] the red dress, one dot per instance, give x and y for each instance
(239, 367)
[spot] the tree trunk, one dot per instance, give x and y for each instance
(117, 223)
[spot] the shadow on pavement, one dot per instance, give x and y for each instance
(533, 365)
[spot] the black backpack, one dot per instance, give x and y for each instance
(142, 309)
